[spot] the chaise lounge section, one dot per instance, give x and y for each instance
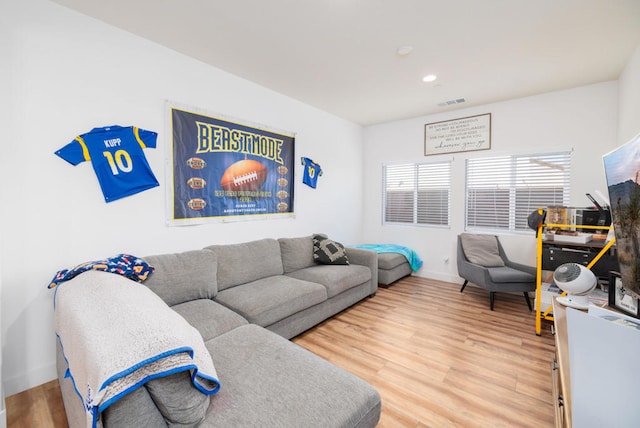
(246, 300)
(392, 267)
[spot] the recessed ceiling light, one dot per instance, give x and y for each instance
(429, 78)
(404, 50)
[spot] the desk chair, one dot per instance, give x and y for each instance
(482, 261)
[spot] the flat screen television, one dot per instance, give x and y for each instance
(622, 169)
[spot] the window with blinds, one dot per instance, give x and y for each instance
(502, 191)
(417, 193)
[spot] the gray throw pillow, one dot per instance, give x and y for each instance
(481, 249)
(328, 252)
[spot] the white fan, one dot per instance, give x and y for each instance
(577, 281)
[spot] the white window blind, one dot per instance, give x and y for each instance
(417, 193)
(502, 191)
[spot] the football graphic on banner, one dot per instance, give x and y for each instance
(196, 183)
(244, 175)
(197, 204)
(196, 163)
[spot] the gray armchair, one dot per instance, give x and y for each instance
(483, 262)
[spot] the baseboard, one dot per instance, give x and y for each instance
(28, 380)
(441, 276)
(3, 418)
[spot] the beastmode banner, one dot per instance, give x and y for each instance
(224, 170)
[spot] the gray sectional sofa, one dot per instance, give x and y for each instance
(246, 300)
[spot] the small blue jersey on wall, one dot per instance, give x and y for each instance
(116, 154)
(311, 172)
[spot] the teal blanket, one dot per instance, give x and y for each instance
(412, 257)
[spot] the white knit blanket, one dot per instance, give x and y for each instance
(117, 334)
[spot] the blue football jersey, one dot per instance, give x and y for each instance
(117, 158)
(311, 172)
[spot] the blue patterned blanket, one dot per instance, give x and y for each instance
(412, 257)
(126, 265)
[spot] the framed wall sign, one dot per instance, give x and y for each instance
(620, 298)
(458, 135)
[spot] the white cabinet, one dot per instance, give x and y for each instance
(598, 367)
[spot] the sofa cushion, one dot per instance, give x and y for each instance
(297, 253)
(269, 300)
(336, 278)
(137, 406)
(390, 260)
(506, 274)
(211, 319)
(481, 249)
(328, 251)
(181, 277)
(388, 276)
(270, 381)
(246, 262)
(179, 402)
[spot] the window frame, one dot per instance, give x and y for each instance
(543, 185)
(416, 172)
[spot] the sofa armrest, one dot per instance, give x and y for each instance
(368, 258)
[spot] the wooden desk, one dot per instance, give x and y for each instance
(560, 368)
(602, 251)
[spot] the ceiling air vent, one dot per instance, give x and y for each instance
(451, 102)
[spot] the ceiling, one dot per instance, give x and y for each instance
(341, 56)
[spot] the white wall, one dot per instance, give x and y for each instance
(65, 73)
(583, 119)
(3, 410)
(629, 107)
(4, 112)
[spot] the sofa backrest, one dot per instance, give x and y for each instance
(182, 277)
(246, 262)
(297, 253)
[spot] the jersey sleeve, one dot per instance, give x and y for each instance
(75, 152)
(145, 138)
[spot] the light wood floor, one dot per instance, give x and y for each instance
(439, 358)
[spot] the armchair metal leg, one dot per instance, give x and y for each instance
(526, 296)
(464, 285)
(492, 296)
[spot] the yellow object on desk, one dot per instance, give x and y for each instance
(547, 314)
